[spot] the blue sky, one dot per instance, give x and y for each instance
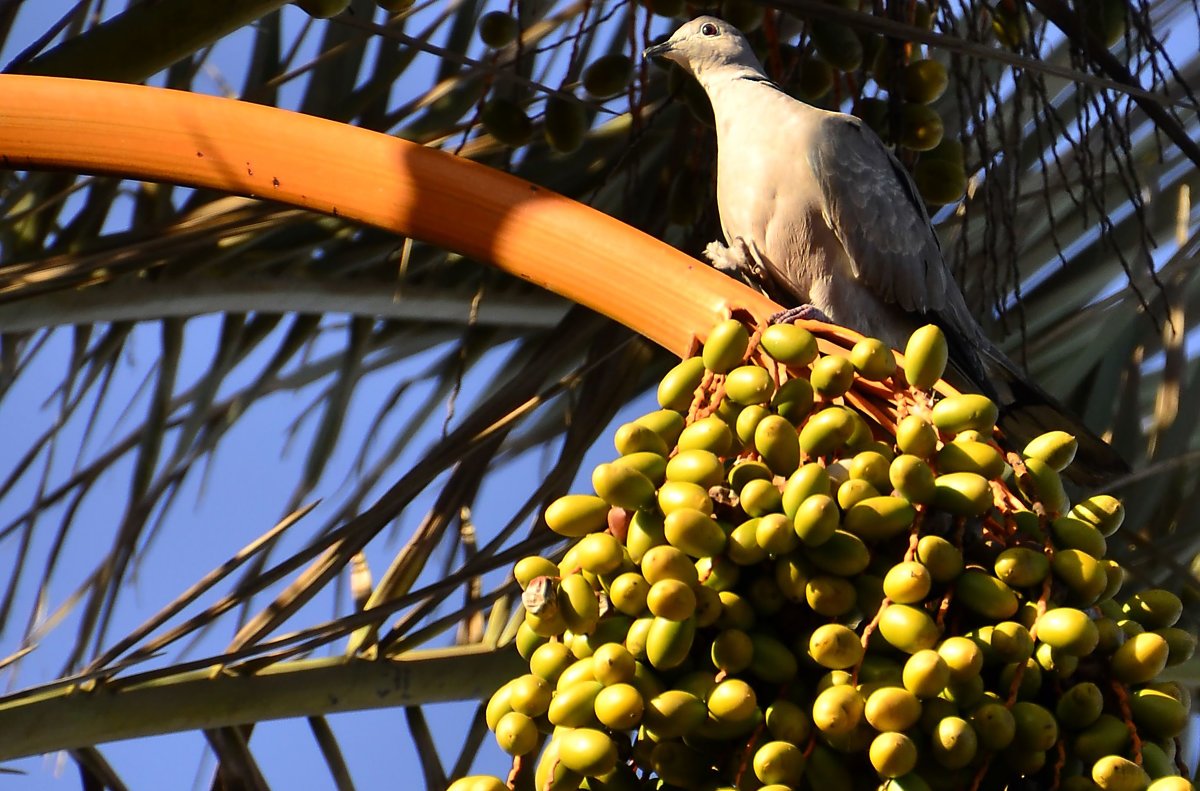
(221, 508)
(234, 499)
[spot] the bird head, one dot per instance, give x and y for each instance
(704, 44)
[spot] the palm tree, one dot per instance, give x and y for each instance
(156, 336)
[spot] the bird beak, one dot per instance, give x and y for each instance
(658, 50)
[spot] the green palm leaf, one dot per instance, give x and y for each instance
(410, 383)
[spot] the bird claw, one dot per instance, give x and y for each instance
(799, 313)
(742, 261)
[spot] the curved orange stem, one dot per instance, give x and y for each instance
(156, 134)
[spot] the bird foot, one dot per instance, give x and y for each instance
(738, 261)
(799, 313)
(730, 260)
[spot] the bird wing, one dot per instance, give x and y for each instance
(872, 206)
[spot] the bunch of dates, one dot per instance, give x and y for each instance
(814, 571)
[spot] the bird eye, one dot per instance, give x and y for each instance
(708, 29)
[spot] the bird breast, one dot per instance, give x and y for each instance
(767, 193)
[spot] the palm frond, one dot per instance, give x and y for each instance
(151, 334)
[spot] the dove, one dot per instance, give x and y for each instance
(818, 210)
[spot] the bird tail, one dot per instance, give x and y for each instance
(1028, 411)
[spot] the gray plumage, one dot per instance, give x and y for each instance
(814, 203)
(817, 199)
